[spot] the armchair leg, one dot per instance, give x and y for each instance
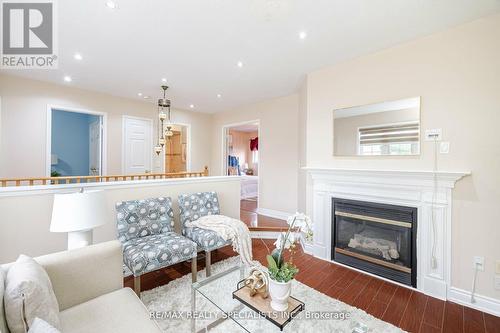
(194, 269)
(208, 265)
(137, 285)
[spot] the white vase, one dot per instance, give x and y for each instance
(279, 292)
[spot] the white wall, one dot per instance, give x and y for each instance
(457, 75)
(278, 142)
(26, 212)
(24, 124)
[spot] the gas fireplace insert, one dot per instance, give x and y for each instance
(377, 238)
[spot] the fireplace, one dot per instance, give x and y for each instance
(377, 238)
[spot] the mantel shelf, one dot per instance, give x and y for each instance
(388, 176)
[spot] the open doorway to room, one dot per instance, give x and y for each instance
(176, 149)
(241, 158)
(75, 143)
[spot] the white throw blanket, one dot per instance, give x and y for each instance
(229, 229)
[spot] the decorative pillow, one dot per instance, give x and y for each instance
(140, 218)
(195, 205)
(29, 294)
(41, 326)
(3, 323)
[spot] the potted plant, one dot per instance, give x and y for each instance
(281, 269)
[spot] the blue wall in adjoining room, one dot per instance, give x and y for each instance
(70, 142)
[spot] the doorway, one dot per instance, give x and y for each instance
(75, 143)
(176, 150)
(241, 158)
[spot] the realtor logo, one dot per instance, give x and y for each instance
(28, 34)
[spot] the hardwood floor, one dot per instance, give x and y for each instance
(403, 307)
(248, 214)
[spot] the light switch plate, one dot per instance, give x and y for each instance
(434, 134)
(444, 147)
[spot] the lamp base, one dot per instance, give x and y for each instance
(78, 239)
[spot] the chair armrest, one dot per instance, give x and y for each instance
(82, 274)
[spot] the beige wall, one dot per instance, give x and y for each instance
(457, 75)
(23, 128)
(278, 142)
(26, 231)
(346, 129)
(301, 131)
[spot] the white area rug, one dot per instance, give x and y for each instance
(176, 296)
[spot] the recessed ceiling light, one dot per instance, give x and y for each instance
(191, 106)
(139, 94)
(219, 95)
(239, 64)
(111, 4)
(164, 80)
(77, 56)
(302, 35)
(67, 78)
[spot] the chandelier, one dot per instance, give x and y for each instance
(163, 115)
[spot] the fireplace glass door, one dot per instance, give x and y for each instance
(376, 238)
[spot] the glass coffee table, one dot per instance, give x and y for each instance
(214, 309)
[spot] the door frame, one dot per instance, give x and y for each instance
(124, 117)
(104, 136)
(225, 130)
(188, 147)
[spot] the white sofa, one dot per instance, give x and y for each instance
(88, 284)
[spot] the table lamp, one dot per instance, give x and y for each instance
(77, 214)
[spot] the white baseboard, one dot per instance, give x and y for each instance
(483, 303)
(273, 213)
(264, 234)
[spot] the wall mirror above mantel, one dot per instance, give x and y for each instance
(381, 129)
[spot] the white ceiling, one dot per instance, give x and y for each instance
(196, 44)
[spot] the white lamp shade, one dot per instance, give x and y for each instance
(78, 211)
(54, 159)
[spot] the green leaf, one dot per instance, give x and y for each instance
(278, 257)
(271, 262)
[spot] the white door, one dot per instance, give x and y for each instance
(95, 148)
(137, 145)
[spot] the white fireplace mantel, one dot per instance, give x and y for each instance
(420, 189)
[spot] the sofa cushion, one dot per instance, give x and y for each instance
(207, 240)
(29, 294)
(3, 323)
(140, 218)
(146, 254)
(195, 205)
(119, 311)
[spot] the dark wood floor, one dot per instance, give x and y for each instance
(256, 222)
(403, 307)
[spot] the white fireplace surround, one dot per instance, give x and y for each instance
(405, 188)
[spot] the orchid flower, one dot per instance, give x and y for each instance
(287, 239)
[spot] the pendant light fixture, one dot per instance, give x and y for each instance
(163, 116)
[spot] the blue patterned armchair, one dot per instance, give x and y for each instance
(146, 231)
(192, 207)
